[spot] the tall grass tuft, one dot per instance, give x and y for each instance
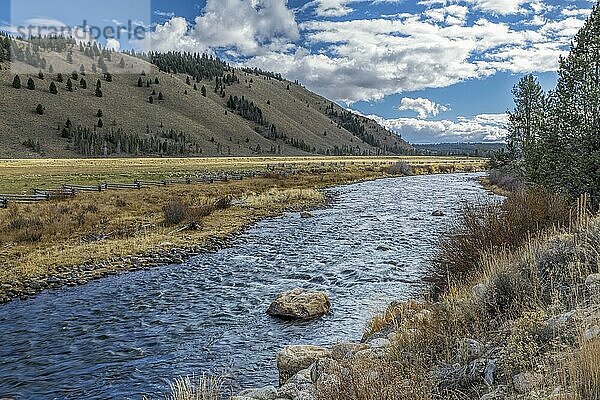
(205, 387)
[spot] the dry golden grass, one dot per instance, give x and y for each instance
(20, 175)
(584, 371)
(205, 387)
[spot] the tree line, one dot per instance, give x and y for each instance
(554, 137)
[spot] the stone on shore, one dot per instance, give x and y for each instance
(301, 305)
(438, 213)
(526, 382)
(266, 393)
(593, 282)
(294, 359)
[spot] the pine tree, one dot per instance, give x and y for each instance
(53, 89)
(16, 82)
(100, 123)
(30, 84)
(156, 81)
(59, 78)
(70, 57)
(108, 77)
(41, 75)
(39, 110)
(83, 83)
(69, 85)
(151, 100)
(160, 96)
(203, 90)
(99, 113)
(558, 135)
(122, 63)
(140, 82)
(526, 121)
(98, 91)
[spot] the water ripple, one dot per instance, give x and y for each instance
(125, 336)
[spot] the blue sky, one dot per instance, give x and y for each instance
(432, 70)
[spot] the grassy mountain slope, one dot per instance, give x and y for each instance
(209, 127)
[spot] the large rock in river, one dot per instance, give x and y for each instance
(300, 304)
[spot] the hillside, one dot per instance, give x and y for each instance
(238, 113)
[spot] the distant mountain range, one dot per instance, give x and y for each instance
(60, 98)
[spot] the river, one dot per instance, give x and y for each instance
(126, 336)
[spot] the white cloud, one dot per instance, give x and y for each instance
(499, 7)
(423, 107)
(330, 8)
(113, 44)
(481, 128)
(450, 15)
(247, 27)
(574, 12)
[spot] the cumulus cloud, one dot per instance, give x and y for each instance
(369, 59)
(481, 128)
(113, 44)
(246, 27)
(423, 107)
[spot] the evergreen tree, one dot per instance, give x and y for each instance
(526, 121)
(151, 100)
(100, 123)
(557, 137)
(53, 89)
(69, 85)
(98, 91)
(203, 90)
(122, 63)
(41, 75)
(140, 82)
(39, 110)
(83, 83)
(160, 96)
(99, 113)
(16, 82)
(108, 77)
(59, 78)
(30, 84)
(156, 81)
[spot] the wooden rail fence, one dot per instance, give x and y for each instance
(71, 190)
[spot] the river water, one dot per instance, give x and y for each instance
(126, 336)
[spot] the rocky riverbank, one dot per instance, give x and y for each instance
(528, 328)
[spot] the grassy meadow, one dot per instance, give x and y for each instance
(49, 239)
